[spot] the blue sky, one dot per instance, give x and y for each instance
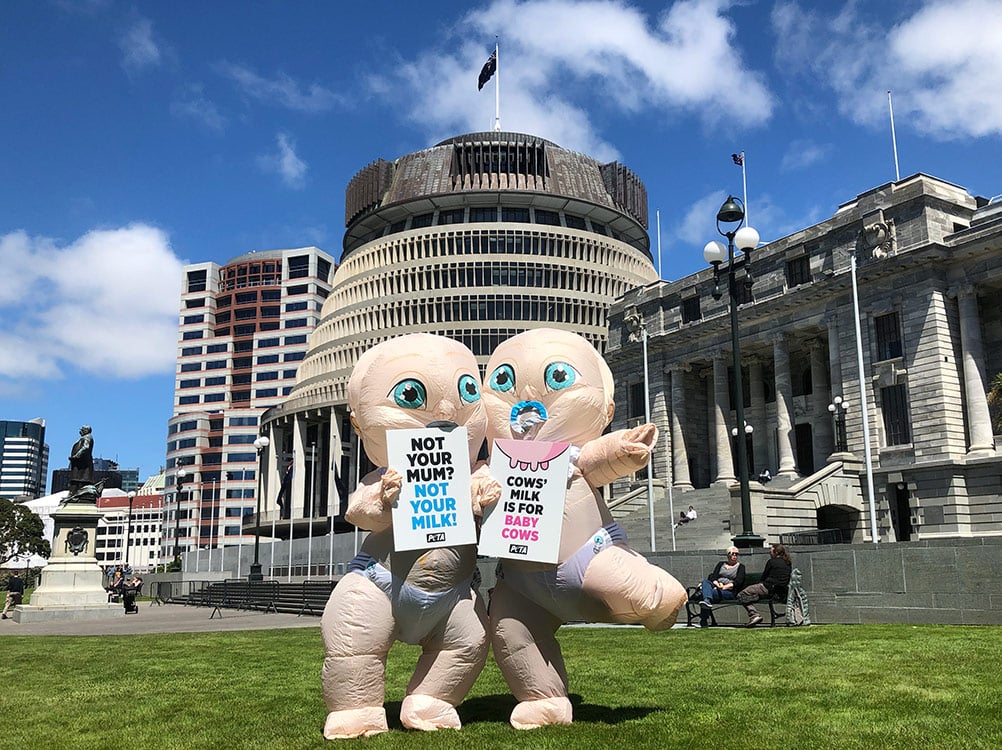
(141, 136)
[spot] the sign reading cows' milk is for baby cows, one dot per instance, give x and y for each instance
(525, 523)
(433, 509)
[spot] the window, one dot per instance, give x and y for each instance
(888, 336)
(246, 313)
(266, 392)
(520, 215)
(894, 404)
(191, 383)
(300, 339)
(216, 364)
(598, 228)
(267, 359)
(798, 271)
(451, 217)
(269, 325)
(299, 267)
(243, 346)
(270, 375)
(224, 301)
(268, 343)
(296, 323)
(189, 335)
(271, 295)
(574, 222)
(244, 298)
(483, 214)
(244, 330)
(294, 356)
(191, 351)
(324, 268)
(186, 443)
(243, 422)
(184, 400)
(288, 373)
(185, 426)
(219, 380)
(242, 379)
(298, 289)
(241, 439)
(196, 281)
(638, 400)
(191, 367)
(240, 363)
(214, 397)
(690, 310)
(216, 348)
(275, 311)
(192, 303)
(547, 217)
(294, 306)
(743, 291)
(424, 220)
(194, 318)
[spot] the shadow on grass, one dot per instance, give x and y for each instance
(495, 709)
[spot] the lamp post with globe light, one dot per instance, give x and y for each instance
(732, 212)
(260, 444)
(838, 409)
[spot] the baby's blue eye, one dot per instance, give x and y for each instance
(502, 379)
(469, 389)
(560, 375)
(410, 394)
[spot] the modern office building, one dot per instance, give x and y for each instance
(24, 459)
(242, 335)
(129, 535)
(105, 469)
(929, 273)
(476, 238)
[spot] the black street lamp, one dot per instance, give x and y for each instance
(181, 474)
(838, 409)
(255, 574)
(128, 527)
(732, 212)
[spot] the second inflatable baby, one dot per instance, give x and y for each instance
(552, 385)
(421, 597)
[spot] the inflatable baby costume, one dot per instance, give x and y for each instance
(552, 385)
(421, 597)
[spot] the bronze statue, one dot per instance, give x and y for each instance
(82, 460)
(86, 494)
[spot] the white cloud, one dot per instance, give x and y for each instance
(943, 63)
(285, 163)
(139, 49)
(802, 154)
(282, 90)
(192, 104)
(697, 226)
(105, 304)
(564, 59)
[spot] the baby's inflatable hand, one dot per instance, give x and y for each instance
(485, 490)
(638, 441)
(389, 486)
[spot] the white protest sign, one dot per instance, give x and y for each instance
(525, 523)
(433, 509)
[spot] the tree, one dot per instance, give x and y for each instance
(995, 402)
(22, 532)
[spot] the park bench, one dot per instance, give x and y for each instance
(315, 596)
(778, 603)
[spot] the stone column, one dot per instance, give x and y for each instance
(756, 417)
(679, 453)
(834, 357)
(824, 429)
(720, 407)
(979, 423)
(300, 476)
(784, 409)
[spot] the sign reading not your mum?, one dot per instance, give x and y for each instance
(433, 509)
(525, 523)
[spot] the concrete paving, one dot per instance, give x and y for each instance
(167, 618)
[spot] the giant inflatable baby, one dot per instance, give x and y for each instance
(552, 385)
(421, 597)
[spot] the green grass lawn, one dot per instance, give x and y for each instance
(873, 687)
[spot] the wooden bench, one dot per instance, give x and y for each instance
(693, 608)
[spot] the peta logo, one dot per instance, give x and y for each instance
(518, 549)
(439, 537)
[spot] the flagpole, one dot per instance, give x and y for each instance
(658, 214)
(894, 140)
(744, 188)
(497, 86)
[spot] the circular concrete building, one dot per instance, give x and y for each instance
(477, 238)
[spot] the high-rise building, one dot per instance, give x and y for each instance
(477, 238)
(242, 336)
(114, 477)
(24, 459)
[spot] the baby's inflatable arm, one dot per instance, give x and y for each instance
(485, 490)
(369, 505)
(617, 454)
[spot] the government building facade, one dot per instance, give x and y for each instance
(477, 238)
(927, 281)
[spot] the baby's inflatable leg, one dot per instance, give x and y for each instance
(527, 652)
(451, 660)
(357, 628)
(633, 589)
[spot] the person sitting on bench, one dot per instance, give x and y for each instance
(726, 580)
(775, 580)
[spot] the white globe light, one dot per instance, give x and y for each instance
(746, 239)
(714, 252)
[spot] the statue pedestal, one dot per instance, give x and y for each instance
(72, 586)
